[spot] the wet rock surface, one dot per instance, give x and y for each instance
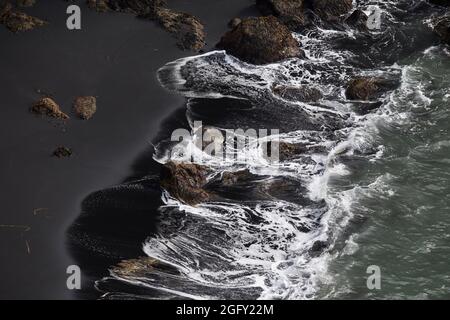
(17, 21)
(185, 181)
(331, 10)
(48, 107)
(358, 20)
(367, 88)
(442, 28)
(261, 40)
(85, 107)
(289, 12)
(186, 28)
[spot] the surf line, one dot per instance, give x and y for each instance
(197, 311)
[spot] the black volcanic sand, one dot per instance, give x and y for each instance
(115, 58)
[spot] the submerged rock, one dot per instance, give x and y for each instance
(302, 93)
(358, 20)
(261, 40)
(366, 88)
(331, 10)
(62, 152)
(289, 12)
(289, 151)
(141, 267)
(85, 107)
(48, 107)
(17, 21)
(185, 181)
(442, 28)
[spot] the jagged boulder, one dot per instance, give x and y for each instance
(261, 40)
(358, 20)
(48, 106)
(331, 10)
(17, 21)
(85, 107)
(185, 181)
(289, 12)
(442, 28)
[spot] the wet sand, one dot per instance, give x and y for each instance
(114, 57)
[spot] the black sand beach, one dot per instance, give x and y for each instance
(115, 58)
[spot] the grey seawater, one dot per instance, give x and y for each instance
(371, 189)
(402, 202)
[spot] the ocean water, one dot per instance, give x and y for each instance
(371, 189)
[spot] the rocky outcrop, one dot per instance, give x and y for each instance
(185, 181)
(331, 10)
(358, 20)
(442, 28)
(138, 7)
(188, 30)
(85, 107)
(48, 107)
(25, 3)
(141, 267)
(17, 21)
(301, 93)
(261, 40)
(290, 12)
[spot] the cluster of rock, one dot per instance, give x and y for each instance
(18, 21)
(187, 29)
(84, 108)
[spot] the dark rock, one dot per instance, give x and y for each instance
(234, 22)
(261, 40)
(289, 12)
(185, 27)
(442, 28)
(318, 248)
(48, 107)
(188, 30)
(25, 3)
(289, 151)
(185, 181)
(331, 10)
(138, 7)
(141, 267)
(302, 93)
(17, 21)
(62, 152)
(85, 107)
(368, 88)
(358, 20)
